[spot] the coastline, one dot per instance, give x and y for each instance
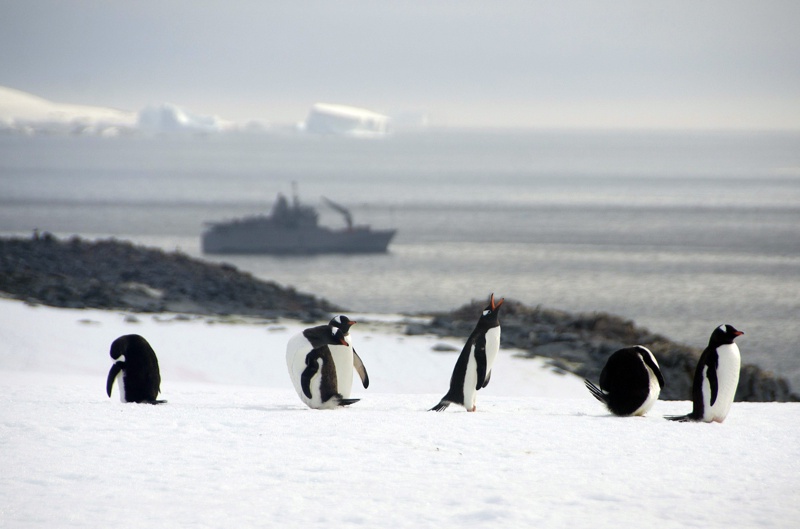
(118, 275)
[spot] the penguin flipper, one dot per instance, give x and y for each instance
(306, 376)
(595, 391)
(480, 360)
(488, 377)
(443, 404)
(714, 383)
(360, 369)
(116, 367)
(649, 361)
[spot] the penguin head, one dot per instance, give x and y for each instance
(724, 334)
(130, 347)
(119, 347)
(342, 322)
(340, 327)
(490, 313)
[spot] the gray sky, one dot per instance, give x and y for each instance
(527, 63)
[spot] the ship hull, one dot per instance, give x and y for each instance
(263, 240)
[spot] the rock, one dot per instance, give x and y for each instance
(582, 343)
(111, 274)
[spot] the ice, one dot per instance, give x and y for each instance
(342, 120)
(171, 118)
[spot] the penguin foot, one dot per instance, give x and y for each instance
(681, 418)
(441, 406)
(473, 409)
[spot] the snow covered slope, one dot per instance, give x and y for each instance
(28, 113)
(21, 112)
(235, 447)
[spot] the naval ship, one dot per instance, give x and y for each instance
(293, 229)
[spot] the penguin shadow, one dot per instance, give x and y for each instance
(275, 408)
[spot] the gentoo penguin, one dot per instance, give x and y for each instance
(321, 361)
(473, 368)
(136, 367)
(715, 378)
(630, 382)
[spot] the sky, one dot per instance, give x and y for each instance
(627, 63)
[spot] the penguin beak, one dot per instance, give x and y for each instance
(496, 306)
(344, 342)
(738, 333)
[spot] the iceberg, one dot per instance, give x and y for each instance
(168, 118)
(342, 120)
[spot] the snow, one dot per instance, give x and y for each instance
(29, 114)
(235, 447)
(25, 113)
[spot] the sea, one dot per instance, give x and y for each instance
(678, 231)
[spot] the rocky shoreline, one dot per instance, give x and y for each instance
(118, 275)
(112, 274)
(582, 343)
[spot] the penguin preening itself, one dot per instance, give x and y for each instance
(715, 378)
(321, 361)
(630, 382)
(136, 369)
(473, 368)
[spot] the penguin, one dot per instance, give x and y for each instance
(630, 382)
(136, 367)
(321, 362)
(473, 368)
(715, 378)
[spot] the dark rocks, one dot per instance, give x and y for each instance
(111, 274)
(582, 343)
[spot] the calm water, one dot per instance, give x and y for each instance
(678, 231)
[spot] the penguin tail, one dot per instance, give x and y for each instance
(443, 404)
(160, 401)
(595, 391)
(347, 402)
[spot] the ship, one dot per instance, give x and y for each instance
(293, 229)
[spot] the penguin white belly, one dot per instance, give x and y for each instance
(343, 362)
(296, 351)
(120, 382)
(652, 396)
(470, 381)
(492, 347)
(729, 363)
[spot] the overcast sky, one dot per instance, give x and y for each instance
(697, 63)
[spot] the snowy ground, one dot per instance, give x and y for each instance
(235, 447)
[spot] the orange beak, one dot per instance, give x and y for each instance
(492, 303)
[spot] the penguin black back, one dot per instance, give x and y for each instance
(137, 362)
(626, 386)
